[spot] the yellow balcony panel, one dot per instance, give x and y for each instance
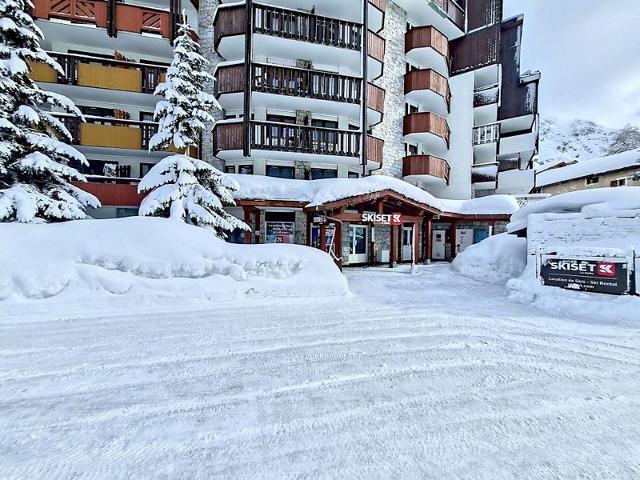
(43, 73)
(116, 136)
(112, 78)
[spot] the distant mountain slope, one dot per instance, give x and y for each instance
(576, 140)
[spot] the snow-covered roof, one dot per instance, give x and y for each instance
(586, 168)
(319, 192)
(593, 203)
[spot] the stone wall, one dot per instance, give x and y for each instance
(604, 180)
(392, 80)
(205, 32)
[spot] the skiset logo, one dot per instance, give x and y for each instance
(606, 269)
(601, 269)
(383, 218)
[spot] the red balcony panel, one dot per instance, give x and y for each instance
(113, 194)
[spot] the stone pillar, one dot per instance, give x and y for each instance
(205, 32)
(392, 80)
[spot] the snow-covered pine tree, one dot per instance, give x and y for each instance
(182, 187)
(626, 139)
(34, 162)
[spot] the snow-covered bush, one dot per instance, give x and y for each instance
(35, 165)
(496, 259)
(183, 187)
(149, 257)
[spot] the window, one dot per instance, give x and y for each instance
(245, 169)
(324, 123)
(619, 182)
(122, 212)
(411, 149)
(593, 179)
(411, 108)
(280, 227)
(230, 169)
(144, 168)
(280, 172)
(318, 173)
(353, 175)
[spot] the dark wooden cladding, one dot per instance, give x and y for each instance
(375, 45)
(475, 50)
(379, 4)
(427, 80)
(517, 98)
(306, 83)
(454, 11)
(374, 149)
(426, 37)
(229, 21)
(303, 26)
(228, 136)
(375, 97)
(482, 13)
(426, 122)
(286, 137)
(425, 165)
(230, 79)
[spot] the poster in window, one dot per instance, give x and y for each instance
(280, 232)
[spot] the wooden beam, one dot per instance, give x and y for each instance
(428, 239)
(452, 234)
(392, 252)
(257, 230)
(247, 219)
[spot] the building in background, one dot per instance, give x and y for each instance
(620, 170)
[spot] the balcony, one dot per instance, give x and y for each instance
(101, 73)
(428, 129)
(485, 141)
(291, 141)
(290, 88)
(429, 89)
(377, 9)
(116, 192)
(292, 34)
(448, 16)
(485, 104)
(125, 18)
(428, 48)
(426, 169)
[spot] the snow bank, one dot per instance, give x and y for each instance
(318, 192)
(496, 259)
(153, 256)
(594, 203)
(585, 168)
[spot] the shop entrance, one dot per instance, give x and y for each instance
(407, 244)
(358, 244)
(439, 250)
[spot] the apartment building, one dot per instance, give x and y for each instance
(425, 90)
(114, 53)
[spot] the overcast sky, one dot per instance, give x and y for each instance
(589, 54)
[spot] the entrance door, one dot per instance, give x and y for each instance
(438, 250)
(407, 244)
(464, 239)
(358, 244)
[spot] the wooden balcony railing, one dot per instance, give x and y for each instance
(426, 165)
(110, 132)
(486, 134)
(375, 147)
(286, 137)
(427, 80)
(454, 11)
(127, 18)
(101, 73)
(113, 191)
(426, 37)
(376, 46)
(375, 97)
(426, 122)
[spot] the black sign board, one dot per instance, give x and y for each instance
(590, 275)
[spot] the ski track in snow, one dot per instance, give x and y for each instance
(427, 376)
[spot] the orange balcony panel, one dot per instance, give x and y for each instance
(113, 194)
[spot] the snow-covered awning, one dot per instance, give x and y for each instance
(315, 193)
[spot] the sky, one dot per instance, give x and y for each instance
(589, 54)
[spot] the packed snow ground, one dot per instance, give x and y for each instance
(413, 376)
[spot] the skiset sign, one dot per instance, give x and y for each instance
(383, 218)
(610, 275)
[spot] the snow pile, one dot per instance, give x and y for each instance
(319, 192)
(154, 256)
(623, 202)
(586, 168)
(496, 259)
